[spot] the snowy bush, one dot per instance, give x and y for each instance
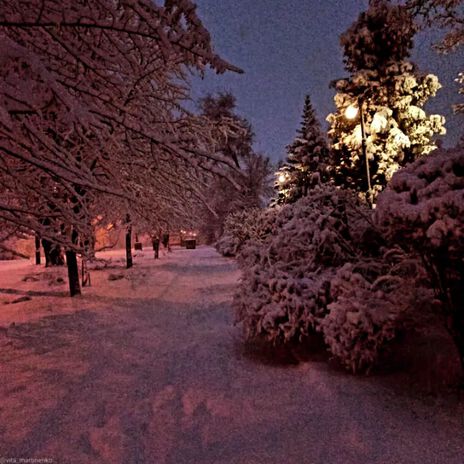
(370, 302)
(323, 266)
(239, 227)
(423, 210)
(285, 288)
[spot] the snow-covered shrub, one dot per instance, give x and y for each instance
(423, 211)
(241, 226)
(236, 231)
(285, 288)
(322, 266)
(371, 300)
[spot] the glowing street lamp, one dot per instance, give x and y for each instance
(351, 113)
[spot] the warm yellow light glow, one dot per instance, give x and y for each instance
(351, 112)
(281, 178)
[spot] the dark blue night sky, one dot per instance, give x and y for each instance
(289, 48)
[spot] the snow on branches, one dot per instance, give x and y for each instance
(459, 107)
(389, 93)
(306, 162)
(422, 210)
(381, 35)
(233, 137)
(320, 264)
(424, 204)
(243, 226)
(445, 14)
(92, 110)
(370, 301)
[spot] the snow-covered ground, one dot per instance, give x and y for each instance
(150, 369)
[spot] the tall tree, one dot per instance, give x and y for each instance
(91, 108)
(251, 174)
(306, 160)
(386, 94)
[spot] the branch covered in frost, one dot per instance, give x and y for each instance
(92, 118)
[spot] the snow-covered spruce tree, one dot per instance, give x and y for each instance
(422, 210)
(390, 93)
(306, 161)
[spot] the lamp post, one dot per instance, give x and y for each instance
(350, 113)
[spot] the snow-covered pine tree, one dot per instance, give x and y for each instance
(391, 92)
(305, 165)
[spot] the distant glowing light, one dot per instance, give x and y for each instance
(282, 178)
(351, 112)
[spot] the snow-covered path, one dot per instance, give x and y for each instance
(150, 369)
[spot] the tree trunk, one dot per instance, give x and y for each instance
(156, 246)
(85, 274)
(128, 247)
(53, 254)
(73, 269)
(73, 273)
(37, 249)
(46, 245)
